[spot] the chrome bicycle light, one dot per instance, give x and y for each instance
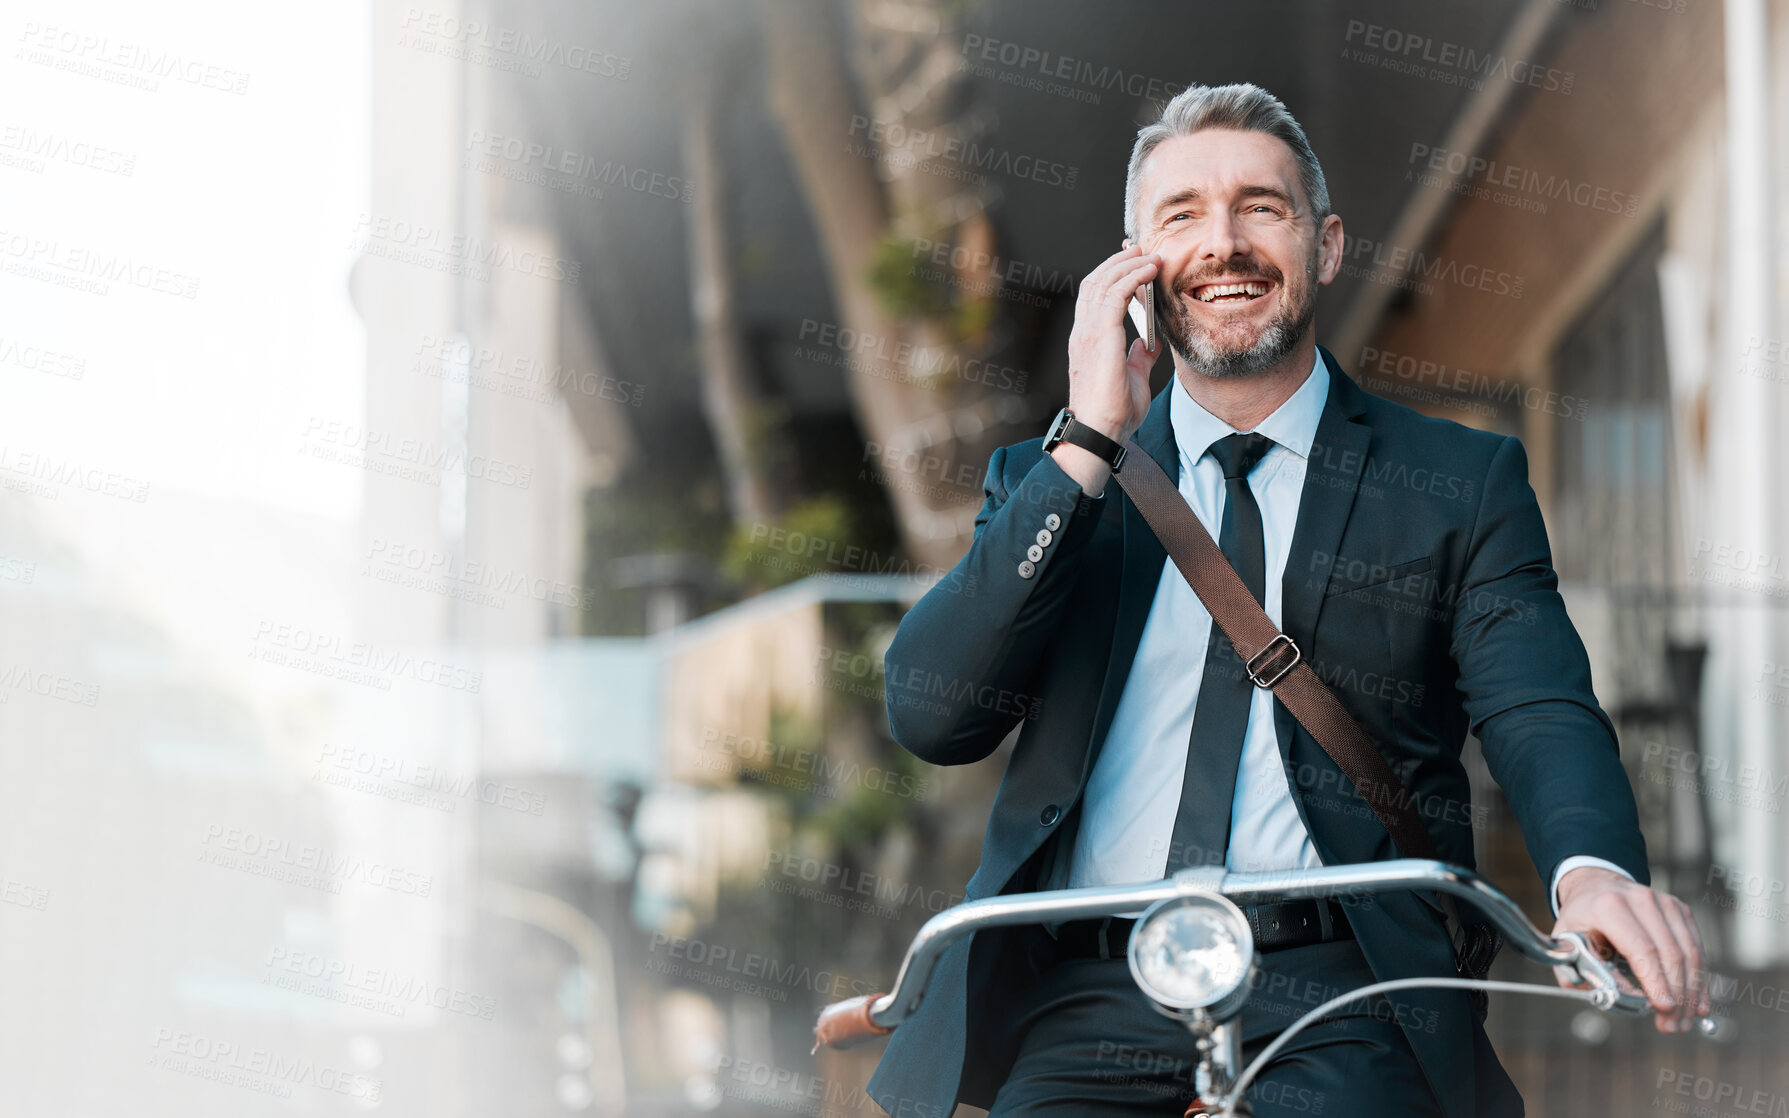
(1193, 954)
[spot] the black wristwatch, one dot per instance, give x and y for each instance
(1065, 429)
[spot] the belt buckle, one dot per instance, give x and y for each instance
(1273, 647)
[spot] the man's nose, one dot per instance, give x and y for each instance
(1224, 238)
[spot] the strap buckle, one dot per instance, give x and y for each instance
(1274, 647)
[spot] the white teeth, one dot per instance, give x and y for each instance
(1252, 287)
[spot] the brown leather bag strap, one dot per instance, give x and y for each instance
(1273, 660)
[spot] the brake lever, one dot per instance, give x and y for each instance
(1587, 968)
(1591, 969)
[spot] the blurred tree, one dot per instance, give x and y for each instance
(880, 182)
(741, 416)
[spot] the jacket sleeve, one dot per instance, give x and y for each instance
(959, 669)
(1525, 678)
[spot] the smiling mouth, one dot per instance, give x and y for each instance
(1224, 294)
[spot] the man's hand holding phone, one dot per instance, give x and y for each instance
(1108, 381)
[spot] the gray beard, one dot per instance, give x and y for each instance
(1276, 341)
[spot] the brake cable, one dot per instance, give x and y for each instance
(1249, 1074)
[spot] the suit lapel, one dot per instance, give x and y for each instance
(1141, 569)
(1332, 477)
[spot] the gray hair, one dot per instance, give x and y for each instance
(1244, 107)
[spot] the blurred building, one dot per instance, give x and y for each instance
(1632, 341)
(489, 413)
(1635, 355)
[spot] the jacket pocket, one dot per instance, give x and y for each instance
(1352, 577)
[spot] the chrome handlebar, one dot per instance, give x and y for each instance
(1569, 951)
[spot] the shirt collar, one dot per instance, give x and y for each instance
(1293, 424)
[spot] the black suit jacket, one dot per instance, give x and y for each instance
(1420, 586)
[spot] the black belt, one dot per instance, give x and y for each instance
(1276, 926)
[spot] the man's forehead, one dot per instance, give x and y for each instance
(1216, 160)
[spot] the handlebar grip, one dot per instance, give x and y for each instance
(847, 1023)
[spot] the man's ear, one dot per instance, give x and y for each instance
(1329, 249)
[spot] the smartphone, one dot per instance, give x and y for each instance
(1143, 313)
(1142, 308)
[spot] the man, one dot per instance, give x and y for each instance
(1405, 556)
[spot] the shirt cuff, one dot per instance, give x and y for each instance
(1573, 863)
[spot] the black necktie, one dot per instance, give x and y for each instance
(1202, 828)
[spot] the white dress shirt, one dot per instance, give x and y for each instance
(1133, 793)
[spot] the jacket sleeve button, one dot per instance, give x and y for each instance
(1027, 569)
(1052, 522)
(1044, 537)
(1049, 815)
(1034, 553)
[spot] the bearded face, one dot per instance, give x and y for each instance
(1214, 324)
(1241, 250)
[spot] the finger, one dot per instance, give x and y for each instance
(1704, 1003)
(1667, 955)
(1689, 941)
(1124, 285)
(1097, 279)
(1625, 932)
(1126, 279)
(1683, 977)
(1141, 357)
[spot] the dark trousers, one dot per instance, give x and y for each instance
(1089, 1043)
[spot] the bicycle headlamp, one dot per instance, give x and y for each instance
(1193, 953)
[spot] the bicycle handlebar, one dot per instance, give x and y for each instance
(862, 1018)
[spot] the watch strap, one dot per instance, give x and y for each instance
(1067, 429)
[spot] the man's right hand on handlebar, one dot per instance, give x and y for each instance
(1655, 932)
(1108, 383)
